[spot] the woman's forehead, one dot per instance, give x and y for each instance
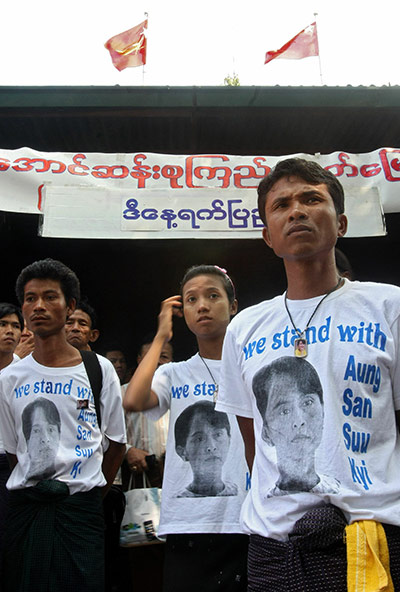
(204, 281)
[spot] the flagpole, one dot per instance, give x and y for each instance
(319, 52)
(146, 17)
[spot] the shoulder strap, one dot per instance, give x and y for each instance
(95, 375)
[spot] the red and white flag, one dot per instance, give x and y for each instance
(128, 49)
(303, 45)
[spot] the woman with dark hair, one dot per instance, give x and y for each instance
(205, 473)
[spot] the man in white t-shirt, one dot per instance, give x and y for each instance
(11, 324)
(62, 460)
(321, 473)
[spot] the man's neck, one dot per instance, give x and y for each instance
(5, 360)
(310, 278)
(54, 351)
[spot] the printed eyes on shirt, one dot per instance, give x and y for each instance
(38, 430)
(306, 402)
(199, 437)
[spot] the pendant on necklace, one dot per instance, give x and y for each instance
(215, 394)
(301, 346)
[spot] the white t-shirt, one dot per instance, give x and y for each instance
(200, 441)
(58, 437)
(15, 359)
(351, 441)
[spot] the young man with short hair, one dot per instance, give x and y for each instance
(11, 325)
(54, 537)
(352, 332)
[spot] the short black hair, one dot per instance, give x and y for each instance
(206, 410)
(49, 269)
(301, 372)
(86, 307)
(343, 265)
(308, 170)
(203, 269)
(50, 412)
(8, 309)
(109, 347)
(147, 340)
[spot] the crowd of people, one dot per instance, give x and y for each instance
(276, 445)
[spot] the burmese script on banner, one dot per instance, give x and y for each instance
(146, 194)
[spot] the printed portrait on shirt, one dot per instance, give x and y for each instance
(41, 426)
(202, 438)
(289, 398)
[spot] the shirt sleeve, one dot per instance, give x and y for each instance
(7, 424)
(112, 414)
(396, 365)
(233, 395)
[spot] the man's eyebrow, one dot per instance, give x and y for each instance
(49, 291)
(279, 199)
(309, 192)
(305, 193)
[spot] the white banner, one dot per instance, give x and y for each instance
(90, 212)
(187, 186)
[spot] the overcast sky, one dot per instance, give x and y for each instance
(48, 43)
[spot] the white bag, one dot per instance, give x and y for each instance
(139, 525)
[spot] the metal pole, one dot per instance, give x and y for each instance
(319, 52)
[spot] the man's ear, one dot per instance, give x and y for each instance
(342, 222)
(94, 335)
(266, 236)
(265, 435)
(181, 451)
(234, 307)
